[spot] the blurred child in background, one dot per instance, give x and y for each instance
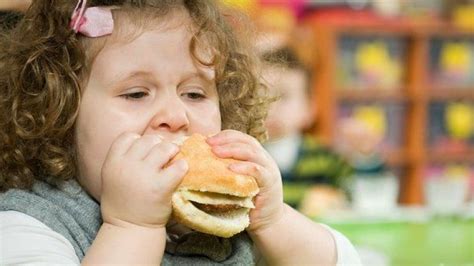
(374, 187)
(361, 146)
(302, 160)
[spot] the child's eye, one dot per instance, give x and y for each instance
(134, 95)
(194, 95)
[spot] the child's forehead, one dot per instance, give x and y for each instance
(282, 79)
(129, 24)
(278, 73)
(154, 52)
(130, 31)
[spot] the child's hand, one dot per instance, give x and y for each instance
(137, 183)
(258, 163)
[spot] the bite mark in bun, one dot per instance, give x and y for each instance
(211, 198)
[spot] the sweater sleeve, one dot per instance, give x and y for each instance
(25, 240)
(346, 252)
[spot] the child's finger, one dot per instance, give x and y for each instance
(141, 147)
(171, 176)
(252, 169)
(122, 144)
(240, 151)
(161, 154)
(229, 135)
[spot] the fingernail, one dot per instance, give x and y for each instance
(233, 167)
(180, 140)
(212, 139)
(216, 149)
(157, 139)
(175, 148)
(183, 164)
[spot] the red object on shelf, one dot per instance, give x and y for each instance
(451, 146)
(345, 16)
(297, 6)
(366, 18)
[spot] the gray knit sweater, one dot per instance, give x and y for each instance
(71, 212)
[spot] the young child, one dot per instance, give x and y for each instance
(90, 108)
(303, 161)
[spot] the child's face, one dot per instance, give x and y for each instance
(150, 85)
(291, 113)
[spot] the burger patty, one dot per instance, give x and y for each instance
(220, 208)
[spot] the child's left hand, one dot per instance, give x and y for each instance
(258, 163)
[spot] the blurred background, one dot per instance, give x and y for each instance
(385, 148)
(373, 126)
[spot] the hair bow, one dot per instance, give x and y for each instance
(92, 21)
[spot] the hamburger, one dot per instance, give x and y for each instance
(212, 199)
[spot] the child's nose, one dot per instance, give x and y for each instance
(170, 116)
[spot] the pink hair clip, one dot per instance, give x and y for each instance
(92, 21)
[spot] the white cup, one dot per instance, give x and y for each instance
(375, 194)
(444, 195)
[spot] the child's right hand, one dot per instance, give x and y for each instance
(137, 182)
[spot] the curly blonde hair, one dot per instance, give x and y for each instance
(43, 65)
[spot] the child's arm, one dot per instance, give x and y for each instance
(137, 185)
(295, 240)
(127, 245)
(282, 235)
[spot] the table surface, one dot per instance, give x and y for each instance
(437, 241)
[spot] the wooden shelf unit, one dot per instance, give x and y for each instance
(451, 94)
(371, 94)
(396, 158)
(417, 93)
(466, 156)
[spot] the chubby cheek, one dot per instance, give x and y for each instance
(91, 152)
(205, 120)
(94, 137)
